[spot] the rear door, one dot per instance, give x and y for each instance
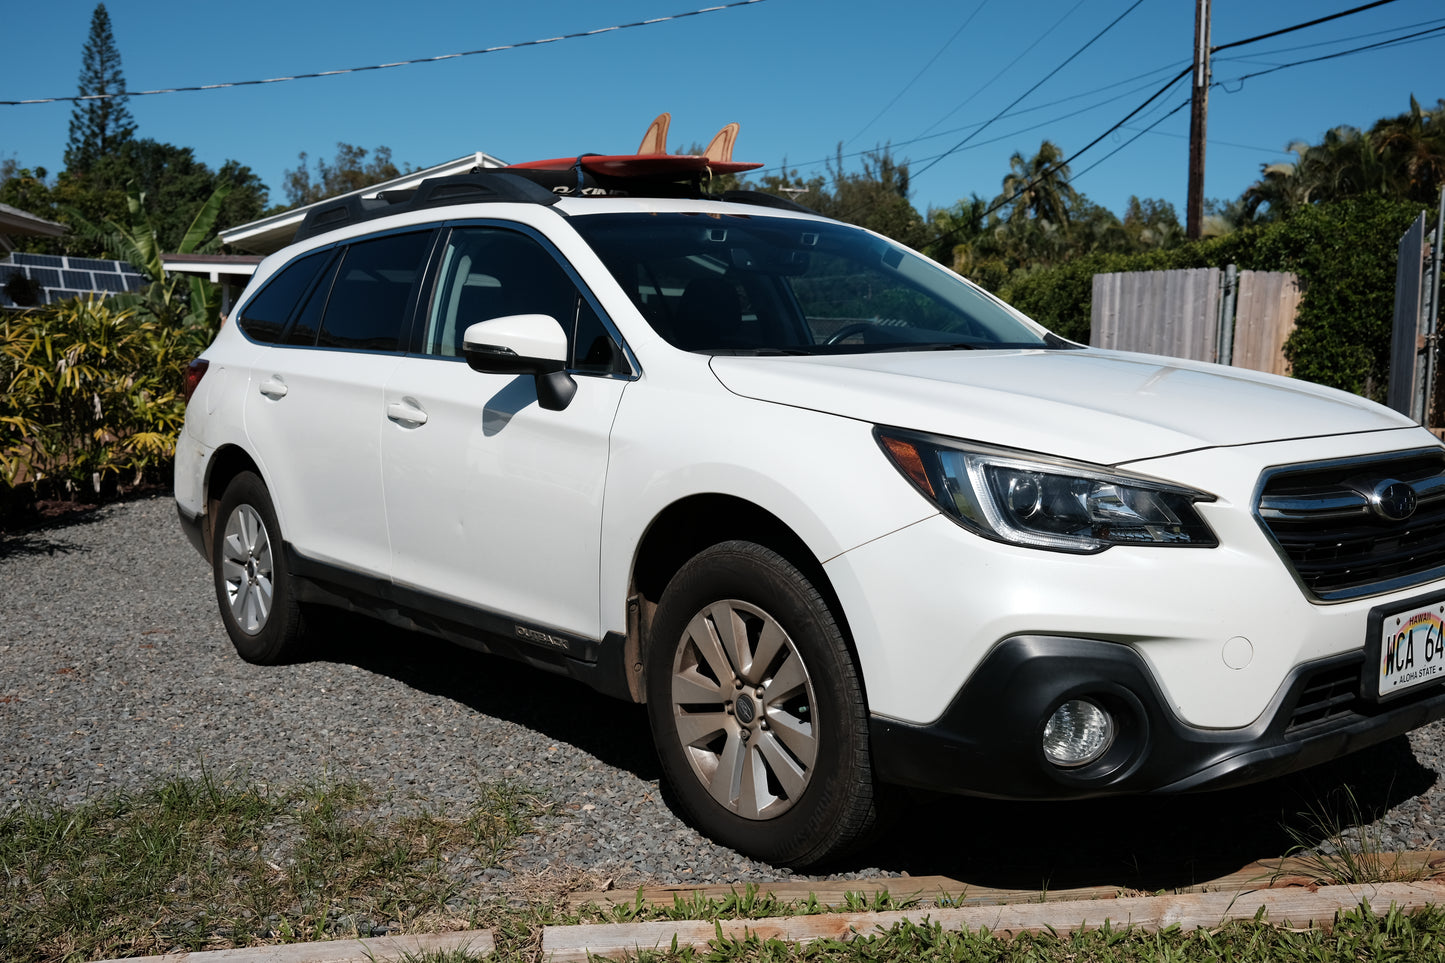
(314, 411)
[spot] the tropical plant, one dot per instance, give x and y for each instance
(192, 304)
(1401, 157)
(1037, 188)
(91, 391)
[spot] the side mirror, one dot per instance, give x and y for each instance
(533, 344)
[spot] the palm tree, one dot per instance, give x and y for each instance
(1038, 187)
(1412, 146)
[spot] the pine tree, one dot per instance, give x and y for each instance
(97, 127)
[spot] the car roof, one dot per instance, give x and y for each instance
(577, 191)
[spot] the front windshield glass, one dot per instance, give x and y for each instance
(760, 284)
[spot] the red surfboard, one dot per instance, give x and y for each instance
(639, 165)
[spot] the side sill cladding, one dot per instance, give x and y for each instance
(596, 663)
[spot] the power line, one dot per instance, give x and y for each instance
(906, 87)
(810, 165)
(399, 63)
(1332, 56)
(1337, 40)
(1300, 26)
(1036, 86)
(1009, 66)
(1004, 201)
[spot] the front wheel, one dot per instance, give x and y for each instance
(253, 586)
(757, 709)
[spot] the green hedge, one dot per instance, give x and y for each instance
(1343, 253)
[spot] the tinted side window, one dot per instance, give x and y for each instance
(265, 316)
(308, 320)
(367, 307)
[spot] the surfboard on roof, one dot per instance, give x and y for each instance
(652, 159)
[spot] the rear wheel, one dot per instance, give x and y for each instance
(757, 710)
(253, 586)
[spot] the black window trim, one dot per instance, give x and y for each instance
(445, 229)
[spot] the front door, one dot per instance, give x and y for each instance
(492, 501)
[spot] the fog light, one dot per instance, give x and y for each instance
(1077, 733)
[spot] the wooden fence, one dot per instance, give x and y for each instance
(1204, 314)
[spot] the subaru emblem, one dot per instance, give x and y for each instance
(1395, 500)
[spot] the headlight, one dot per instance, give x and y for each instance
(1029, 500)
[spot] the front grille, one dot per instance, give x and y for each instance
(1329, 523)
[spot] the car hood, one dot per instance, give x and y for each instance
(1106, 407)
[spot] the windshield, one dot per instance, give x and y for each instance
(758, 284)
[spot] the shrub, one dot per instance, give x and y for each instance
(92, 391)
(1343, 253)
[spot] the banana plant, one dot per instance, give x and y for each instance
(194, 304)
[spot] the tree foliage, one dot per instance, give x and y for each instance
(1401, 157)
(349, 170)
(1343, 253)
(875, 196)
(173, 181)
(172, 302)
(102, 123)
(91, 396)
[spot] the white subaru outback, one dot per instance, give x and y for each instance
(838, 516)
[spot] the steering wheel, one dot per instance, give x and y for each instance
(847, 331)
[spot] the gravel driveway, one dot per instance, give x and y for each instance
(115, 672)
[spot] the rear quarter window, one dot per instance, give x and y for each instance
(264, 317)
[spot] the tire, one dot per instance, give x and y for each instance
(757, 710)
(253, 586)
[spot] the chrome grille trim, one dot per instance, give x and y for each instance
(1323, 520)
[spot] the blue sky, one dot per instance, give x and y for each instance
(800, 76)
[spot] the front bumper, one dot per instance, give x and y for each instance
(988, 742)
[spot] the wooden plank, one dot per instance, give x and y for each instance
(378, 948)
(1264, 317)
(1173, 313)
(927, 889)
(1288, 907)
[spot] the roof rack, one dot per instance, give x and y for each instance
(518, 185)
(476, 187)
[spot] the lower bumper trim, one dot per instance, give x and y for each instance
(988, 742)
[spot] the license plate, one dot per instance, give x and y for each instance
(1409, 646)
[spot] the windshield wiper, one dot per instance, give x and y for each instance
(928, 346)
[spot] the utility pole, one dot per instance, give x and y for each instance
(1198, 116)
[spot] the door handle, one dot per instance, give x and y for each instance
(406, 412)
(274, 388)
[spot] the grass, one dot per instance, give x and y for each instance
(1418, 938)
(198, 864)
(1336, 846)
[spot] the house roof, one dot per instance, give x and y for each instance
(212, 266)
(272, 233)
(15, 221)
